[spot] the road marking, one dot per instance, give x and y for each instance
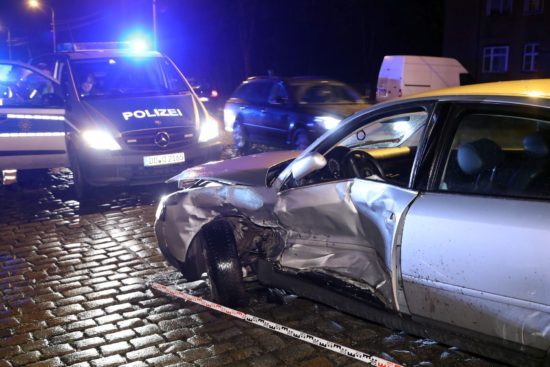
(352, 353)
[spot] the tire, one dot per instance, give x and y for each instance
(223, 265)
(300, 141)
(241, 140)
(81, 188)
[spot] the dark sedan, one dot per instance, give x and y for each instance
(287, 112)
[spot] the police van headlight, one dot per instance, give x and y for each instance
(209, 130)
(100, 140)
(327, 122)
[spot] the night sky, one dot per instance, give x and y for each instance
(225, 41)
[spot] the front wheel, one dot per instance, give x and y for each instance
(81, 187)
(240, 138)
(223, 265)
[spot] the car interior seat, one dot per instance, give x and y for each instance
(479, 161)
(535, 168)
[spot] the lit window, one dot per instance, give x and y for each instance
(498, 7)
(495, 59)
(530, 56)
(533, 6)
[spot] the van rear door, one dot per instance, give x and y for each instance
(32, 119)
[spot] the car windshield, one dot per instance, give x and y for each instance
(324, 92)
(393, 132)
(126, 76)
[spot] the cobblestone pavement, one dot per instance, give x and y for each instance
(74, 292)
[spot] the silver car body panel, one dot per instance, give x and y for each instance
(344, 228)
(249, 170)
(474, 262)
(190, 209)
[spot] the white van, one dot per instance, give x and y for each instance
(403, 75)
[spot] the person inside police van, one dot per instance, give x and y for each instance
(87, 85)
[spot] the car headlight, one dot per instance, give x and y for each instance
(209, 130)
(229, 119)
(100, 140)
(328, 122)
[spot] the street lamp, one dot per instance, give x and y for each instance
(155, 46)
(8, 39)
(35, 4)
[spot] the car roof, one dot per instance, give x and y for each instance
(305, 78)
(538, 88)
(99, 54)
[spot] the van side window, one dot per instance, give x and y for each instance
(174, 80)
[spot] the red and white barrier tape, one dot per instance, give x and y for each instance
(352, 353)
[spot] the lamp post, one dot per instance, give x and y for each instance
(155, 25)
(35, 4)
(8, 39)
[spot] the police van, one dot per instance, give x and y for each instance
(113, 114)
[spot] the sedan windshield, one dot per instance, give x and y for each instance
(324, 92)
(121, 76)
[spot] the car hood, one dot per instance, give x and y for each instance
(138, 113)
(249, 170)
(336, 110)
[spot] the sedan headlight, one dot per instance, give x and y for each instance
(209, 130)
(100, 140)
(327, 122)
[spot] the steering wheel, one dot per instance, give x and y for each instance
(359, 163)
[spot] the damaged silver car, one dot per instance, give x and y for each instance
(429, 215)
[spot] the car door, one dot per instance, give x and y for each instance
(475, 245)
(342, 224)
(254, 114)
(32, 127)
(275, 120)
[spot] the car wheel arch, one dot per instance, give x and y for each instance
(250, 238)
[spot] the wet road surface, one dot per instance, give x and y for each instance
(74, 288)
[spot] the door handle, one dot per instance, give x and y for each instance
(242, 107)
(262, 111)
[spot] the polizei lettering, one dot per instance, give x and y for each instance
(156, 112)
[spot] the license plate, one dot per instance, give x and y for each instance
(161, 160)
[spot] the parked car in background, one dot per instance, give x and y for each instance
(115, 115)
(287, 112)
(427, 214)
(405, 75)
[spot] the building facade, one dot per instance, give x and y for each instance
(499, 39)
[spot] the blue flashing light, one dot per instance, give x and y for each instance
(139, 45)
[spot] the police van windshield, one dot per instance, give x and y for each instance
(122, 77)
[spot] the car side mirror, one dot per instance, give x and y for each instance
(307, 164)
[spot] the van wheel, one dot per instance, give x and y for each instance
(240, 138)
(81, 188)
(223, 265)
(300, 140)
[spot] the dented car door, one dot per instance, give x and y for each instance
(345, 226)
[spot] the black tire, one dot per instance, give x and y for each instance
(241, 140)
(223, 265)
(300, 140)
(81, 188)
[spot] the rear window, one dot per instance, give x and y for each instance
(324, 92)
(121, 76)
